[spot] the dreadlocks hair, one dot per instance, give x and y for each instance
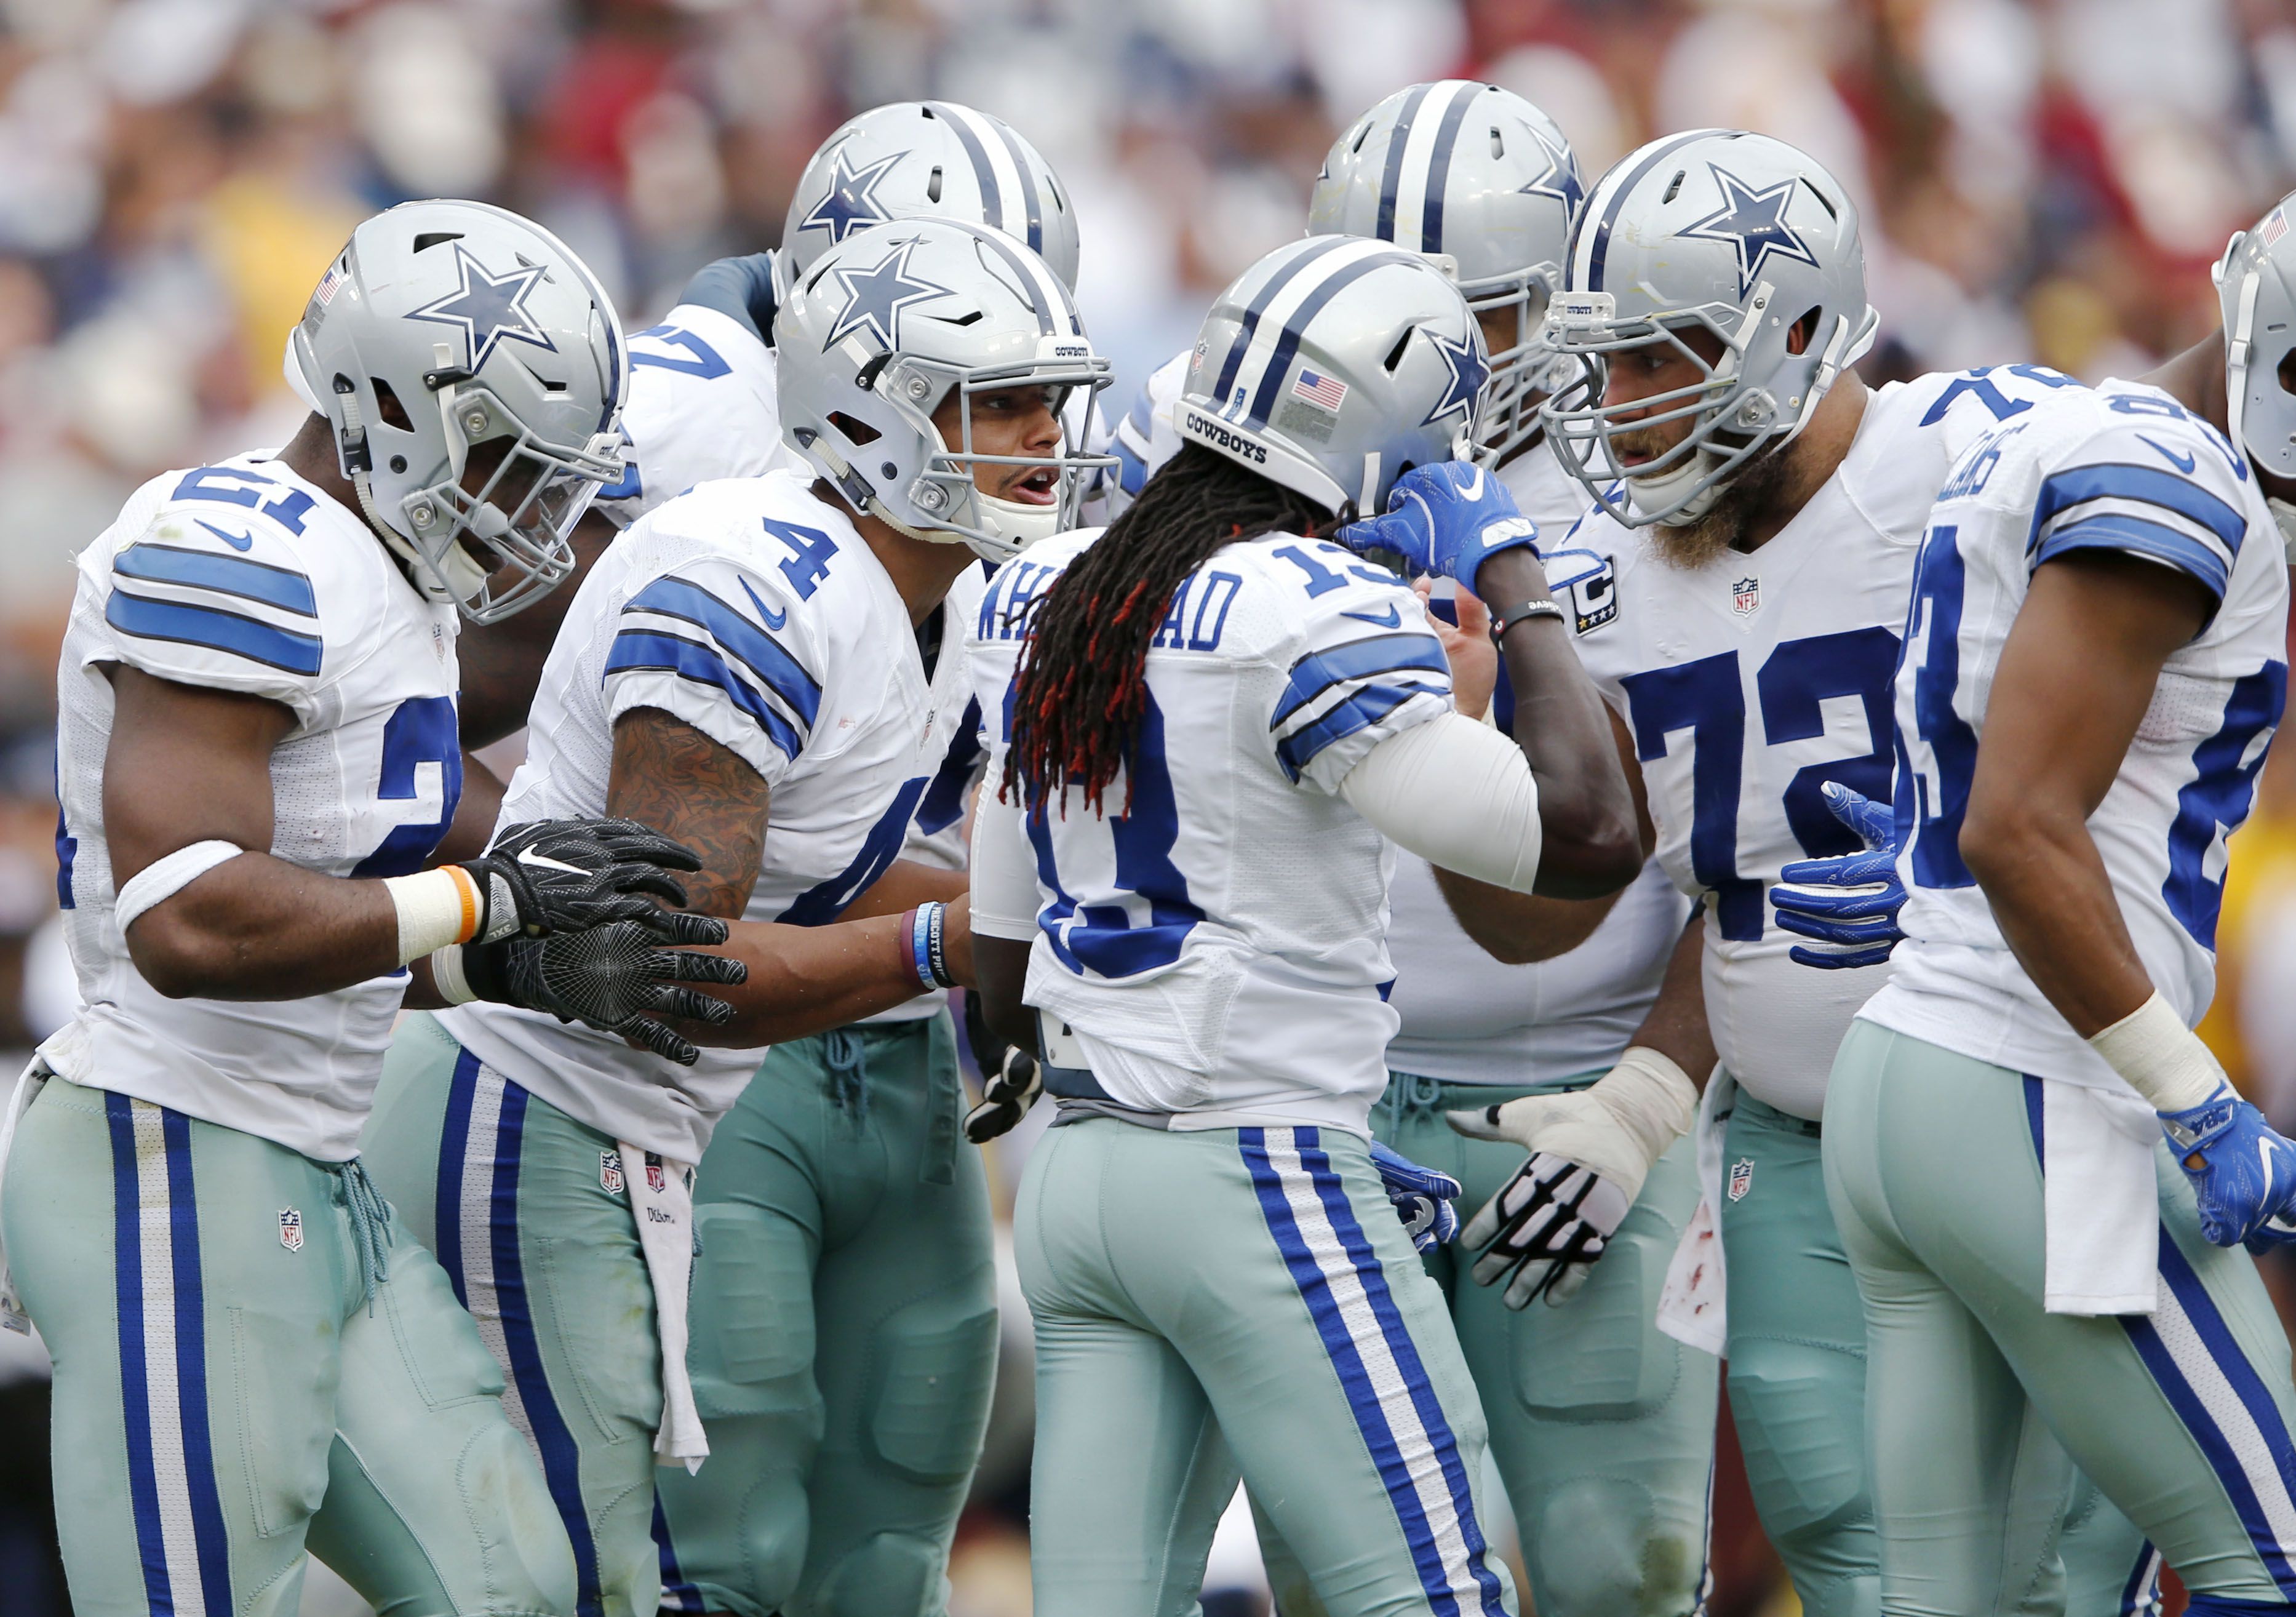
(1082, 690)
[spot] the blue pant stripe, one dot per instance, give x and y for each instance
(562, 1460)
(134, 1389)
(208, 1534)
(677, 1595)
(2140, 1596)
(1406, 1353)
(454, 1150)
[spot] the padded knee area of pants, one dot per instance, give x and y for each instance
(1801, 1423)
(890, 1575)
(751, 1315)
(937, 1367)
(1595, 1552)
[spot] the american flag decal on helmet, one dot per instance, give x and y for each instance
(1329, 392)
(2273, 228)
(333, 278)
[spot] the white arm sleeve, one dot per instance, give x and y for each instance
(1457, 793)
(1005, 897)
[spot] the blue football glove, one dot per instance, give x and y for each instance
(1420, 1196)
(1447, 519)
(1848, 904)
(2244, 1173)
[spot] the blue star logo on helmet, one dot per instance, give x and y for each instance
(489, 308)
(1753, 222)
(851, 203)
(1469, 372)
(876, 296)
(1561, 181)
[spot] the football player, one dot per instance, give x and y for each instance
(257, 757)
(2037, 1167)
(1602, 1426)
(1737, 594)
(1215, 717)
(758, 668)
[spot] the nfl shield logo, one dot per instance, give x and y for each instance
(610, 1172)
(656, 1180)
(291, 1229)
(1741, 1179)
(1746, 596)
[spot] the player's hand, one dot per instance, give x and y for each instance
(621, 978)
(1011, 1078)
(1421, 1197)
(1848, 904)
(1467, 647)
(1447, 519)
(2244, 1172)
(1590, 1151)
(563, 875)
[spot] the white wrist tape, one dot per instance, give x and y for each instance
(1651, 1096)
(2163, 1060)
(436, 908)
(163, 878)
(446, 975)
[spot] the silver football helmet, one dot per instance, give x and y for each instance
(883, 328)
(2256, 284)
(1736, 233)
(926, 160)
(1332, 367)
(444, 325)
(1476, 174)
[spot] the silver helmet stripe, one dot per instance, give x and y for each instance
(1603, 208)
(1335, 280)
(1399, 139)
(994, 169)
(1281, 276)
(1439, 167)
(1425, 143)
(1249, 363)
(1045, 292)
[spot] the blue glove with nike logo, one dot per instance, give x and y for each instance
(1848, 904)
(1447, 519)
(2243, 1171)
(1420, 1196)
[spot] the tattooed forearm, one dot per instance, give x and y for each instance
(669, 775)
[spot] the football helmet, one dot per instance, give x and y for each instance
(882, 329)
(1334, 365)
(443, 325)
(1736, 233)
(2256, 285)
(1477, 175)
(924, 159)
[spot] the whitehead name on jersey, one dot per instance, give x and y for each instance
(754, 612)
(243, 577)
(1750, 681)
(2123, 468)
(1217, 939)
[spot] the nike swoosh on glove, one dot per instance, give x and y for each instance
(1447, 519)
(1421, 1197)
(618, 979)
(561, 875)
(2244, 1172)
(1847, 905)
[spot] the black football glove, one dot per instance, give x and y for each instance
(620, 978)
(1011, 1078)
(563, 875)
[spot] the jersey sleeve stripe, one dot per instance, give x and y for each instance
(280, 587)
(1319, 670)
(2134, 536)
(1363, 708)
(645, 650)
(215, 630)
(774, 666)
(2138, 485)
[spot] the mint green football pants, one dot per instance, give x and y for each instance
(1977, 1394)
(1243, 1301)
(1602, 1426)
(845, 1334)
(527, 1213)
(229, 1395)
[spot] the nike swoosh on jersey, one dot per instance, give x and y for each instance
(774, 619)
(1394, 619)
(237, 541)
(2182, 463)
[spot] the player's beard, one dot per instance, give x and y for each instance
(1691, 545)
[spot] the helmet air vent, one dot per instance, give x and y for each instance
(436, 238)
(1673, 187)
(932, 186)
(386, 406)
(1499, 142)
(1824, 200)
(1394, 354)
(857, 432)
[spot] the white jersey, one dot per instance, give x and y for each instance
(755, 612)
(1218, 940)
(1750, 681)
(243, 577)
(2126, 469)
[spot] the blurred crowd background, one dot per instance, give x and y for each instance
(2039, 181)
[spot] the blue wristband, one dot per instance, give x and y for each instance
(936, 946)
(920, 927)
